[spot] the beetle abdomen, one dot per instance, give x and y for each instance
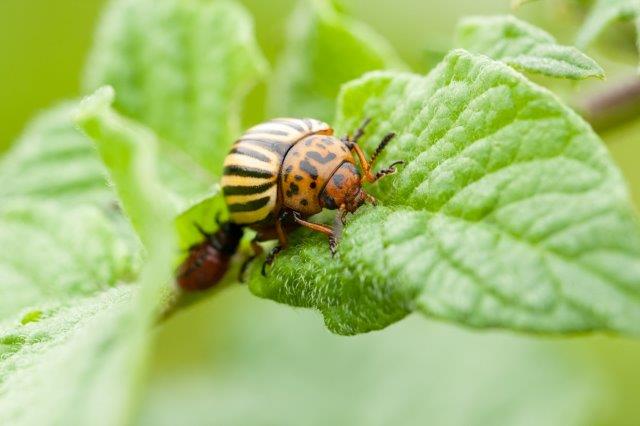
(252, 167)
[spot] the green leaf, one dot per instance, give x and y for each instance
(204, 212)
(61, 233)
(98, 345)
(515, 4)
(524, 47)
(53, 252)
(129, 152)
(414, 373)
(509, 213)
(603, 14)
(57, 370)
(54, 161)
(182, 67)
(325, 49)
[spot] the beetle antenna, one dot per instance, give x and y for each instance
(361, 129)
(202, 231)
(381, 146)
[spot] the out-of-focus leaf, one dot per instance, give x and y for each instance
(61, 233)
(51, 253)
(203, 212)
(517, 3)
(54, 161)
(509, 213)
(73, 366)
(80, 361)
(181, 67)
(217, 364)
(524, 47)
(325, 49)
(94, 348)
(603, 14)
(129, 151)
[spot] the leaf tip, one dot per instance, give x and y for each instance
(93, 104)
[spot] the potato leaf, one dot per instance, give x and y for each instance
(603, 14)
(94, 347)
(524, 47)
(509, 213)
(182, 68)
(52, 160)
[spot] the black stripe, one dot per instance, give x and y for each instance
(249, 206)
(288, 124)
(273, 146)
(247, 190)
(308, 123)
(250, 153)
(268, 132)
(247, 172)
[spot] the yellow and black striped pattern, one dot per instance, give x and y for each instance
(252, 167)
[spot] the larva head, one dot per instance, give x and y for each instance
(344, 188)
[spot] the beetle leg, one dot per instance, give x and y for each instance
(389, 170)
(257, 251)
(270, 258)
(361, 129)
(342, 214)
(282, 243)
(318, 228)
(366, 167)
(201, 230)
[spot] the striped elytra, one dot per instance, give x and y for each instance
(251, 169)
(285, 170)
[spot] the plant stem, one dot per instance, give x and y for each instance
(615, 106)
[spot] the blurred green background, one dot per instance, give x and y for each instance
(239, 360)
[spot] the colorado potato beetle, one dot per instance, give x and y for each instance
(208, 260)
(285, 170)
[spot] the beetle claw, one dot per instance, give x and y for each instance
(333, 245)
(270, 258)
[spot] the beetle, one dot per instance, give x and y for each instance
(209, 259)
(281, 172)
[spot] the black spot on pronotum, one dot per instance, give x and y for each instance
(294, 188)
(304, 202)
(298, 177)
(316, 156)
(312, 185)
(308, 168)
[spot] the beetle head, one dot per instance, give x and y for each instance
(344, 187)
